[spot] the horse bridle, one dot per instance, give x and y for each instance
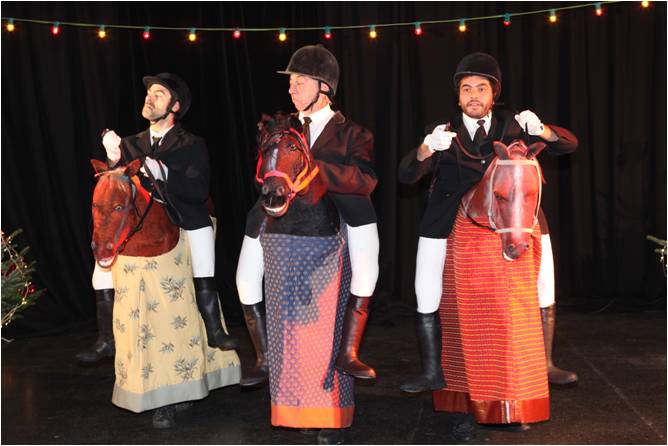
(121, 246)
(303, 179)
(490, 213)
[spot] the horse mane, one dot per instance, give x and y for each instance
(278, 123)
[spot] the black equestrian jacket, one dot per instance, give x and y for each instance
(187, 161)
(457, 173)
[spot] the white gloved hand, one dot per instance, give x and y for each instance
(529, 121)
(154, 167)
(112, 144)
(439, 139)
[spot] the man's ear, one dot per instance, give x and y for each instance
(176, 107)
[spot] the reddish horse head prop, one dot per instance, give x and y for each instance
(285, 167)
(126, 219)
(507, 199)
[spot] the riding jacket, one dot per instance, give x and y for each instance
(344, 154)
(454, 173)
(187, 161)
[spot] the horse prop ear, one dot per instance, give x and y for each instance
(535, 149)
(501, 150)
(99, 166)
(132, 168)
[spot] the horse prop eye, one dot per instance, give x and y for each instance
(499, 197)
(118, 208)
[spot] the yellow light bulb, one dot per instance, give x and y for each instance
(10, 27)
(645, 4)
(282, 37)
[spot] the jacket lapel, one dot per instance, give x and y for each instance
(329, 131)
(170, 139)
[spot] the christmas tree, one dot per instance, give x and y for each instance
(18, 292)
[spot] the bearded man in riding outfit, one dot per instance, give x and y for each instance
(477, 83)
(176, 171)
(343, 152)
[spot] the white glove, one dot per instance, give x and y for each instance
(112, 144)
(439, 139)
(529, 121)
(154, 167)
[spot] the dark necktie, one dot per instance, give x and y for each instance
(480, 133)
(307, 130)
(156, 144)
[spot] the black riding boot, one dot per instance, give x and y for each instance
(209, 308)
(555, 375)
(257, 327)
(429, 341)
(331, 436)
(104, 347)
(354, 322)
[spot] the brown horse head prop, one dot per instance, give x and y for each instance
(125, 218)
(285, 167)
(507, 199)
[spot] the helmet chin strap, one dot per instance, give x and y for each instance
(317, 96)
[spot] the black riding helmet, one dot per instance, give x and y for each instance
(317, 62)
(177, 88)
(479, 64)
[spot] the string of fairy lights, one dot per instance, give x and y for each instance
(11, 23)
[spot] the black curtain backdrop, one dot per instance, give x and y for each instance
(602, 77)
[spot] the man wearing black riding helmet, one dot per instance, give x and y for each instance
(343, 151)
(176, 170)
(477, 84)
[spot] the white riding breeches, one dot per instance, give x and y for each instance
(203, 251)
(363, 246)
(102, 278)
(250, 271)
(546, 273)
(429, 273)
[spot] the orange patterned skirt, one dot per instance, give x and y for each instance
(493, 353)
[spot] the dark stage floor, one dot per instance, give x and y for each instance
(621, 398)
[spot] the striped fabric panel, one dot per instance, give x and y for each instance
(492, 335)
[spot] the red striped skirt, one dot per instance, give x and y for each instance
(493, 353)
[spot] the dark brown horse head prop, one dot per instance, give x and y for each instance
(508, 196)
(285, 168)
(121, 218)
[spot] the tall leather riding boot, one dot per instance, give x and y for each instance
(555, 375)
(257, 328)
(354, 322)
(104, 347)
(208, 305)
(428, 327)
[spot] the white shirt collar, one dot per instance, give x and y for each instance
(158, 134)
(472, 123)
(319, 120)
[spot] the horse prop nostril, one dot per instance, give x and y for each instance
(265, 189)
(92, 245)
(110, 246)
(280, 191)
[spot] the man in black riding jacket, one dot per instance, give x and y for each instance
(343, 151)
(477, 83)
(178, 163)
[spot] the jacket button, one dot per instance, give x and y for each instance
(482, 161)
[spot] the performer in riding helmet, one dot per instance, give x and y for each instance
(477, 84)
(343, 152)
(176, 171)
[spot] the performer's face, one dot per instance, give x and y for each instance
(156, 102)
(476, 96)
(303, 90)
